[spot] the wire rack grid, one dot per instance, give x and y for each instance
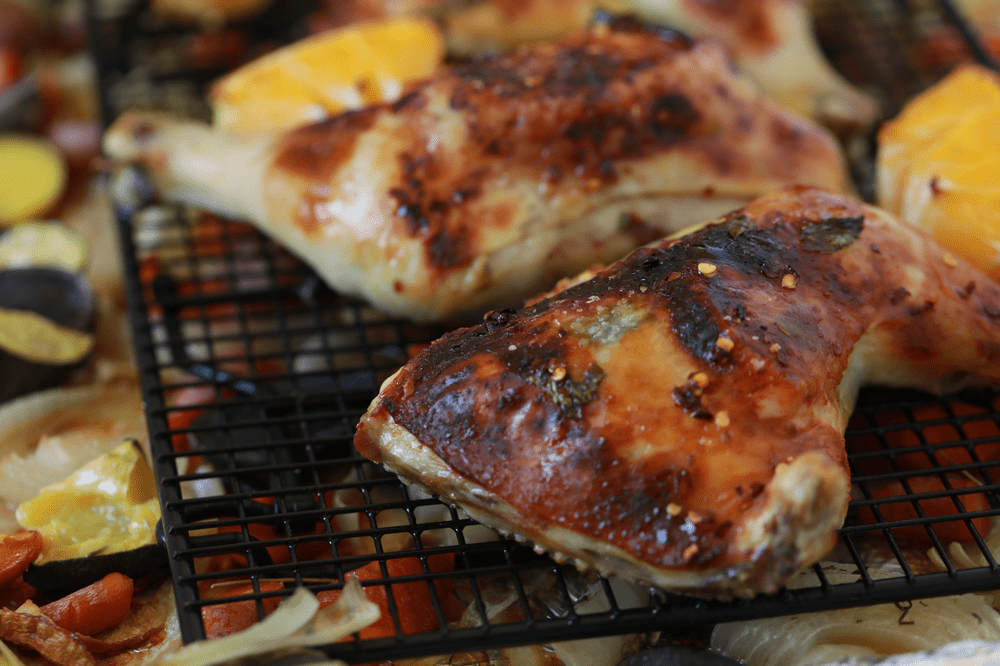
(254, 375)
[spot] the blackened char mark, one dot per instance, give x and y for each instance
(577, 108)
(673, 117)
(450, 249)
(575, 71)
(688, 397)
(485, 393)
(747, 258)
(427, 199)
(315, 153)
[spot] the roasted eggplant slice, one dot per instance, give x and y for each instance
(79, 572)
(46, 322)
(102, 518)
(65, 297)
(36, 244)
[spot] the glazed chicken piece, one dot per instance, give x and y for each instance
(678, 419)
(771, 41)
(488, 182)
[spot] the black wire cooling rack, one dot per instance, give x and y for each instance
(254, 375)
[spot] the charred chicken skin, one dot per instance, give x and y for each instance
(771, 41)
(489, 181)
(678, 418)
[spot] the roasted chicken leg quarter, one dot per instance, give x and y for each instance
(491, 180)
(678, 418)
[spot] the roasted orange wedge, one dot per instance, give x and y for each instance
(326, 74)
(938, 165)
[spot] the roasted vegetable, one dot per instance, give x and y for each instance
(47, 435)
(34, 177)
(75, 573)
(46, 318)
(864, 634)
(39, 633)
(94, 608)
(297, 623)
(101, 519)
(17, 551)
(414, 604)
(64, 297)
(898, 506)
(33, 243)
(235, 616)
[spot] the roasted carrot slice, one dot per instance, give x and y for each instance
(942, 506)
(15, 593)
(233, 616)
(414, 605)
(959, 454)
(17, 551)
(940, 434)
(92, 609)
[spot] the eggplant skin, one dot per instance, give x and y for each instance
(75, 573)
(20, 376)
(46, 328)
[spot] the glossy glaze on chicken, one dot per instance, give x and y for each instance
(678, 419)
(489, 181)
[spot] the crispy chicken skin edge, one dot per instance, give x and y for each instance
(795, 527)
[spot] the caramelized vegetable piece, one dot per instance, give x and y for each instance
(959, 454)
(17, 552)
(42, 635)
(15, 593)
(229, 618)
(414, 605)
(33, 243)
(107, 506)
(37, 338)
(94, 608)
(970, 436)
(931, 507)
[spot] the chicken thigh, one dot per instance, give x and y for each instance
(678, 419)
(491, 180)
(771, 41)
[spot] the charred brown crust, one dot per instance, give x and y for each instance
(316, 151)
(766, 307)
(582, 110)
(479, 393)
